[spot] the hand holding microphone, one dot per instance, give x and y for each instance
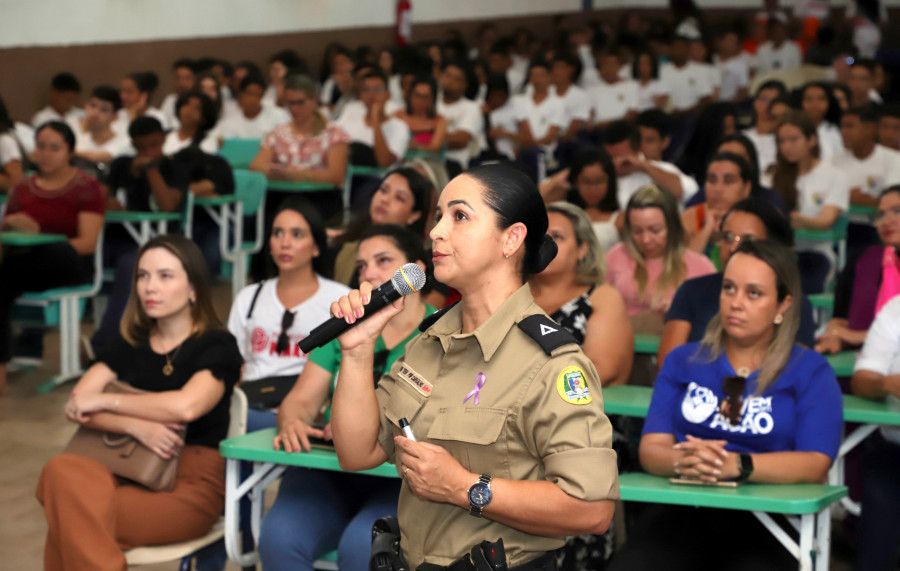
(359, 305)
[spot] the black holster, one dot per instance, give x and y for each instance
(386, 553)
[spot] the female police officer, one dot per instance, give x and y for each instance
(505, 406)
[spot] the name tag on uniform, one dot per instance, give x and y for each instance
(415, 380)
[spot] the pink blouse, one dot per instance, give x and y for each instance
(620, 275)
(303, 152)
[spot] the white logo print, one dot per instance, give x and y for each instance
(546, 329)
(699, 403)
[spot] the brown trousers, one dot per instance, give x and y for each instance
(92, 516)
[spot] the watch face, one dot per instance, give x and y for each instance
(480, 495)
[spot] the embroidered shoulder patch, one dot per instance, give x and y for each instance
(571, 384)
(545, 332)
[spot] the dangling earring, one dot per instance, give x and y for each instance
(778, 319)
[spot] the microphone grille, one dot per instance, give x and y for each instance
(408, 279)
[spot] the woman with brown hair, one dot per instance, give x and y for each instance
(173, 346)
(814, 191)
(744, 404)
(428, 129)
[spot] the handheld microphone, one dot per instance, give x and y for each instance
(406, 280)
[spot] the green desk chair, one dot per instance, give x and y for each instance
(239, 152)
(837, 235)
(63, 307)
(250, 190)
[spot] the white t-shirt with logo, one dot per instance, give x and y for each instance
(647, 94)
(257, 336)
(463, 115)
(576, 104)
(541, 117)
(766, 151)
(770, 58)
(505, 117)
(612, 101)
(687, 84)
(395, 132)
(238, 126)
(872, 174)
(9, 149)
(823, 186)
(50, 114)
(117, 146)
(830, 142)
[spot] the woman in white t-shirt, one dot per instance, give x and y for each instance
(196, 117)
(817, 100)
(815, 193)
(651, 91)
(762, 132)
(269, 319)
(10, 152)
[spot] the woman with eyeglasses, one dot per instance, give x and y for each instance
(744, 405)
(864, 287)
(268, 319)
(695, 302)
(345, 504)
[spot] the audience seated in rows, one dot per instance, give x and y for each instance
(95, 140)
(427, 129)
(253, 119)
(377, 139)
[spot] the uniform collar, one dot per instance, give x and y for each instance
(493, 331)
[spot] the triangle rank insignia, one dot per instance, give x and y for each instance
(545, 332)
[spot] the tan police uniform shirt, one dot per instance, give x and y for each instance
(535, 420)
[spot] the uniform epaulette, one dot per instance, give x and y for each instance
(431, 319)
(546, 332)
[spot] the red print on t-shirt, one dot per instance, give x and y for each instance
(259, 340)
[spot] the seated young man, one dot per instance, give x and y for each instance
(622, 141)
(65, 89)
(613, 98)
(95, 140)
(146, 182)
(465, 122)
(542, 115)
(254, 120)
(382, 140)
(889, 126)
(185, 80)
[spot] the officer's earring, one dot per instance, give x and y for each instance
(778, 319)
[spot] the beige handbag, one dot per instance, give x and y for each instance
(124, 455)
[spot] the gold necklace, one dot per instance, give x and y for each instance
(168, 368)
(744, 372)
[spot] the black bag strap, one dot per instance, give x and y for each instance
(255, 297)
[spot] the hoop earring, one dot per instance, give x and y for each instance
(779, 319)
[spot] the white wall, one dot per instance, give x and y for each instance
(73, 22)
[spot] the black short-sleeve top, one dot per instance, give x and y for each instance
(215, 351)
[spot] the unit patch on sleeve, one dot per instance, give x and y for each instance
(571, 384)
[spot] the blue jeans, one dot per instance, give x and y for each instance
(318, 511)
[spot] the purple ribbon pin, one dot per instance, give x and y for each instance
(479, 382)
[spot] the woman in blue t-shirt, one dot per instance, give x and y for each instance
(317, 512)
(745, 404)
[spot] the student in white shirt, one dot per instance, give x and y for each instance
(10, 154)
(95, 140)
(254, 120)
(700, 58)
(622, 141)
(576, 101)
(817, 101)
(687, 83)
(613, 98)
(889, 126)
(387, 136)
(465, 123)
(541, 114)
(184, 75)
(652, 94)
(815, 192)
(65, 90)
(762, 133)
(196, 117)
(136, 91)
(502, 135)
(779, 52)
(286, 308)
(733, 69)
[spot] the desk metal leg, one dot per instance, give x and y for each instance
(807, 541)
(782, 536)
(255, 485)
(836, 473)
(823, 539)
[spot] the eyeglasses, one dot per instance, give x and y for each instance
(879, 216)
(283, 339)
(732, 238)
(379, 364)
(733, 387)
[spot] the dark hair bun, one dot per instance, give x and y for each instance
(544, 255)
